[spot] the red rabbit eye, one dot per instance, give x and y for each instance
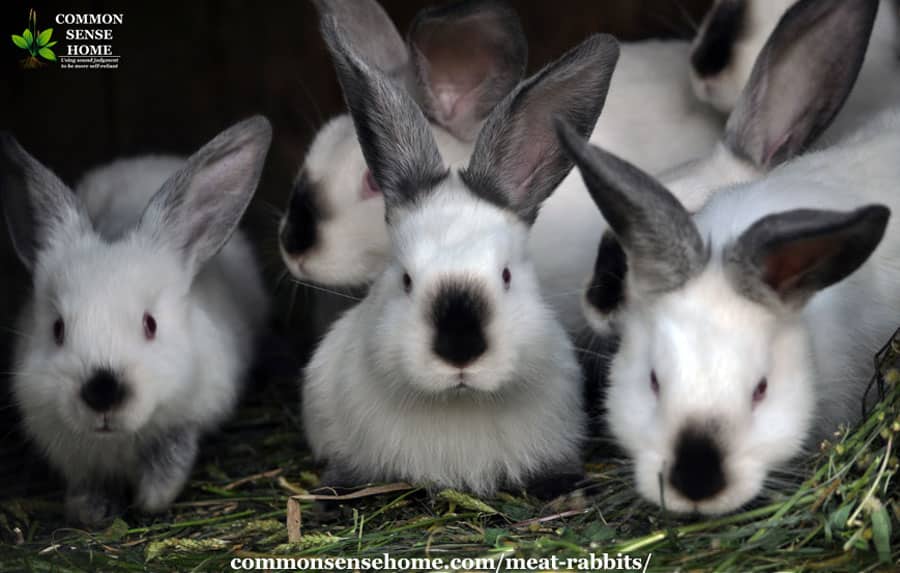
(654, 382)
(759, 393)
(149, 326)
(507, 277)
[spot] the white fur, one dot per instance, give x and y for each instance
(379, 405)
(102, 283)
(650, 117)
(710, 346)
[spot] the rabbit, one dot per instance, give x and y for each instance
(734, 32)
(137, 336)
(333, 232)
(747, 330)
(453, 372)
(768, 127)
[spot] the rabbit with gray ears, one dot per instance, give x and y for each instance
(453, 372)
(145, 307)
(464, 57)
(734, 32)
(747, 330)
(769, 126)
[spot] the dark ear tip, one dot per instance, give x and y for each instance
(878, 215)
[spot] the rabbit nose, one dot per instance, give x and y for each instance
(459, 313)
(697, 473)
(299, 232)
(103, 391)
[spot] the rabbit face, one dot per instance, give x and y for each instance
(709, 393)
(106, 361)
(461, 294)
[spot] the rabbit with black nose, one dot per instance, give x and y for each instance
(145, 310)
(453, 372)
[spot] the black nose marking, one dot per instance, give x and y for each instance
(714, 51)
(698, 472)
(606, 292)
(459, 312)
(103, 391)
(300, 233)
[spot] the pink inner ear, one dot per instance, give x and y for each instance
(791, 262)
(369, 187)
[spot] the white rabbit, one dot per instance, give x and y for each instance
(142, 321)
(795, 91)
(747, 332)
(452, 372)
(734, 32)
(333, 232)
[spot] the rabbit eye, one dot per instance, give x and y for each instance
(149, 326)
(407, 283)
(654, 383)
(59, 331)
(507, 277)
(760, 391)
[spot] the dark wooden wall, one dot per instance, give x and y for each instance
(191, 68)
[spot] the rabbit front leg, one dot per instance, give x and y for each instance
(93, 503)
(165, 466)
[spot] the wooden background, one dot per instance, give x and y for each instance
(190, 69)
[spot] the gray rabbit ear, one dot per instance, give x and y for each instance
(199, 207)
(801, 79)
(663, 247)
(790, 256)
(467, 55)
(518, 162)
(370, 30)
(40, 210)
(395, 137)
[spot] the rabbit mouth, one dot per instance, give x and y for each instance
(105, 426)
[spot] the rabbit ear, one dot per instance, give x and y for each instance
(720, 30)
(370, 30)
(801, 79)
(395, 137)
(198, 208)
(793, 255)
(467, 56)
(517, 161)
(662, 244)
(40, 209)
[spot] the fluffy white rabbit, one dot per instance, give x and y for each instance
(333, 232)
(144, 314)
(734, 32)
(453, 372)
(797, 88)
(747, 331)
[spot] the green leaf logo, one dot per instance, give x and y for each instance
(36, 42)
